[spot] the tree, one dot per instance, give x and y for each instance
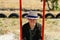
(54, 4)
(47, 1)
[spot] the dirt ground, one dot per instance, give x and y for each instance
(10, 25)
(51, 30)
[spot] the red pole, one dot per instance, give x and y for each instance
(20, 19)
(43, 21)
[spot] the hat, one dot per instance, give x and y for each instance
(32, 15)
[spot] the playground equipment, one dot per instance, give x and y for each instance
(37, 5)
(10, 8)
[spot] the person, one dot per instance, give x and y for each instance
(32, 29)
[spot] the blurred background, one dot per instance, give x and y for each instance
(9, 16)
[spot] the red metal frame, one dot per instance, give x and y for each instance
(20, 19)
(43, 21)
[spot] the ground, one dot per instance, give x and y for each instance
(52, 27)
(10, 24)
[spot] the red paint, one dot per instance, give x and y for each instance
(43, 21)
(20, 19)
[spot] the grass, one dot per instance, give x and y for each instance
(11, 25)
(51, 30)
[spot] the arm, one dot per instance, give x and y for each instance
(39, 31)
(23, 32)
